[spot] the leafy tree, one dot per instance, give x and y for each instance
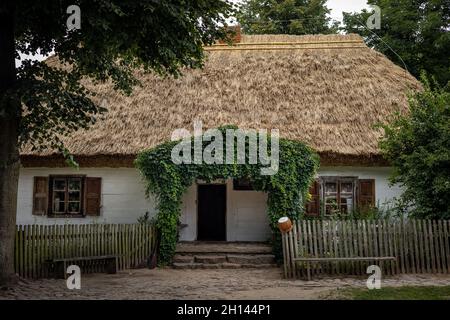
(285, 17)
(418, 146)
(40, 103)
(418, 32)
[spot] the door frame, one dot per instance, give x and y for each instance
(218, 182)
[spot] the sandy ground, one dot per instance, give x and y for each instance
(200, 284)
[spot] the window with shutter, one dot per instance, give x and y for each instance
(93, 196)
(313, 205)
(331, 195)
(40, 196)
(66, 195)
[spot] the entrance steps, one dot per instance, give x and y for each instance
(223, 255)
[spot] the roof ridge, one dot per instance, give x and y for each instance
(285, 43)
(281, 48)
(288, 45)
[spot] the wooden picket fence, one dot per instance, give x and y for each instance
(34, 244)
(420, 246)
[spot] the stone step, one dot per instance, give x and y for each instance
(210, 259)
(222, 258)
(215, 248)
(223, 255)
(195, 265)
(178, 258)
(226, 265)
(251, 259)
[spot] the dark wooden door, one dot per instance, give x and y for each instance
(211, 225)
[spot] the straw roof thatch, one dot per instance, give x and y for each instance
(325, 90)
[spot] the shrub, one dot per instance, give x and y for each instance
(418, 146)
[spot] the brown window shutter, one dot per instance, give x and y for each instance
(313, 206)
(40, 196)
(366, 193)
(93, 192)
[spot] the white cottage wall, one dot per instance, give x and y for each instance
(123, 200)
(122, 196)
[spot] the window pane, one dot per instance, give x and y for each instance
(346, 187)
(331, 205)
(346, 197)
(330, 187)
(74, 184)
(58, 201)
(59, 184)
(74, 196)
(331, 200)
(74, 207)
(347, 200)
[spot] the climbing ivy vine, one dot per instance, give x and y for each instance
(287, 189)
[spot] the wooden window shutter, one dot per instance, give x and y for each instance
(313, 206)
(366, 193)
(93, 192)
(40, 196)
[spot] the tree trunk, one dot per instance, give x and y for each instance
(9, 153)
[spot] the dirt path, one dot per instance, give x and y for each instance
(199, 284)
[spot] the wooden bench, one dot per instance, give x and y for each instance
(309, 260)
(106, 263)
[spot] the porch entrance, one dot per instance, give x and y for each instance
(211, 215)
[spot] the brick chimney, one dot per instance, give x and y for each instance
(233, 33)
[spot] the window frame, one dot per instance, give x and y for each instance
(338, 180)
(66, 213)
(240, 187)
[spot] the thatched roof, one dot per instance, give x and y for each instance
(325, 90)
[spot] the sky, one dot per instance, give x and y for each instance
(336, 6)
(339, 6)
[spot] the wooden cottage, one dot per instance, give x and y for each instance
(326, 90)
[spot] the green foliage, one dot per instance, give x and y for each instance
(287, 189)
(145, 219)
(372, 213)
(285, 17)
(116, 38)
(418, 146)
(416, 30)
(380, 211)
(394, 293)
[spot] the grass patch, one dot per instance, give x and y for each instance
(396, 293)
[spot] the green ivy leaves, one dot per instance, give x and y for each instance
(287, 190)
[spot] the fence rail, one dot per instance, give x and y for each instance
(34, 244)
(420, 246)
